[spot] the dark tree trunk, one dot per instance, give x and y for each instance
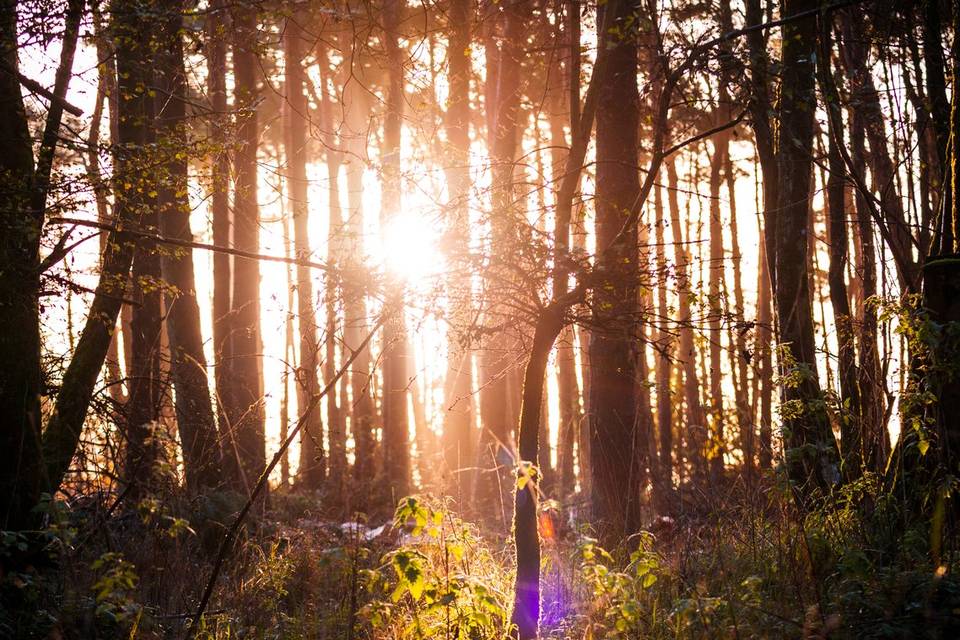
(20, 386)
(62, 435)
(526, 607)
(245, 411)
(195, 418)
(613, 344)
(312, 455)
(810, 449)
(850, 427)
(144, 443)
(221, 216)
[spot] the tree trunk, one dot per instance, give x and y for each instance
(613, 344)
(216, 37)
(810, 449)
(883, 172)
(503, 93)
(355, 308)
(195, 419)
(526, 606)
(245, 412)
(458, 401)
(20, 386)
(336, 422)
(396, 455)
(663, 488)
(746, 420)
(143, 407)
(312, 459)
(696, 420)
(850, 412)
(62, 435)
(717, 441)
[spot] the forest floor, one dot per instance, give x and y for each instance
(752, 568)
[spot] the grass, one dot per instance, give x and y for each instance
(755, 570)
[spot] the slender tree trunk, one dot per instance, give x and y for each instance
(106, 93)
(336, 422)
(458, 401)
(526, 607)
(696, 421)
(717, 442)
(851, 444)
(396, 457)
(663, 488)
(939, 106)
(216, 38)
(746, 420)
(496, 415)
(312, 456)
(246, 412)
(62, 435)
(195, 419)
(882, 169)
(289, 353)
(355, 308)
(764, 354)
(810, 447)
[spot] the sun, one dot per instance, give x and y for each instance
(410, 245)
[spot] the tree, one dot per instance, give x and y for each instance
(396, 458)
(808, 438)
(221, 222)
(23, 194)
(458, 417)
(245, 411)
(613, 345)
(312, 467)
(195, 419)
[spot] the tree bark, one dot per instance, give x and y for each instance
(216, 38)
(195, 419)
(526, 607)
(312, 455)
(696, 420)
(62, 435)
(810, 449)
(246, 412)
(613, 344)
(458, 402)
(850, 412)
(396, 456)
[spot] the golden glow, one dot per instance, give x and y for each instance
(410, 249)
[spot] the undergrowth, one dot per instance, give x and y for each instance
(849, 569)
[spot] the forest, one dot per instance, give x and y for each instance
(479, 319)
